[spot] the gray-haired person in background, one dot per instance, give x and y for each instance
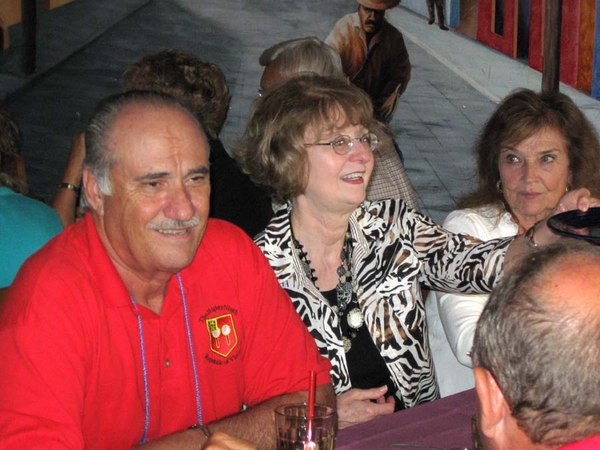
(307, 55)
(536, 353)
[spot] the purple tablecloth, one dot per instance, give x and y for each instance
(444, 423)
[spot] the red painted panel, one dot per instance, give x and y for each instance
(570, 42)
(485, 34)
(586, 48)
(536, 33)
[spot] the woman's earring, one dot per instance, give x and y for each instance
(567, 189)
(499, 185)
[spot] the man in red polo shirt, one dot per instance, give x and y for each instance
(146, 322)
(536, 353)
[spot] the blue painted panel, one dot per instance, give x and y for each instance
(454, 13)
(596, 70)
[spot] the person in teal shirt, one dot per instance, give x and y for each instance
(25, 224)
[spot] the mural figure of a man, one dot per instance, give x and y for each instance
(373, 54)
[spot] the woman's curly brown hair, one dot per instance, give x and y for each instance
(273, 149)
(200, 85)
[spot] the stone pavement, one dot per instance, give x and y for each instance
(86, 45)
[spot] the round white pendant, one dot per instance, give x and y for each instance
(356, 318)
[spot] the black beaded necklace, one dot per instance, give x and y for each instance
(345, 292)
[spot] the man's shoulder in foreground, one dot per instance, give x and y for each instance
(591, 443)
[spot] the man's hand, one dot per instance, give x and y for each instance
(223, 441)
(356, 405)
(577, 199)
(580, 199)
(541, 234)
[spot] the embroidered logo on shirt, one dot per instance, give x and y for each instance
(223, 337)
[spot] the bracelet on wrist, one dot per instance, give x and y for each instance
(203, 429)
(69, 186)
(530, 236)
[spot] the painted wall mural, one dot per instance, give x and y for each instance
(515, 28)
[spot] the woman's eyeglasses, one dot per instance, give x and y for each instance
(343, 144)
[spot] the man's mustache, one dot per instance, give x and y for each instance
(170, 224)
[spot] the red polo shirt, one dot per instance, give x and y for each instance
(71, 372)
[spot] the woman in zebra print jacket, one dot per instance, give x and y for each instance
(353, 268)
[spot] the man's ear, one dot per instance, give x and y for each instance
(493, 409)
(93, 195)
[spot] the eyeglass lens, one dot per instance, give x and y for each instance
(343, 144)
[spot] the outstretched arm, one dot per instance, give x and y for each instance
(255, 424)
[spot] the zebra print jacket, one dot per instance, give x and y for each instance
(395, 249)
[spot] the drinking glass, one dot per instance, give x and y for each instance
(296, 432)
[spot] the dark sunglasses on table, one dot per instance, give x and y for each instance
(343, 144)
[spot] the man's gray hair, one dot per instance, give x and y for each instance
(545, 359)
(303, 56)
(99, 156)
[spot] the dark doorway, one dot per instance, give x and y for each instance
(499, 17)
(524, 14)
